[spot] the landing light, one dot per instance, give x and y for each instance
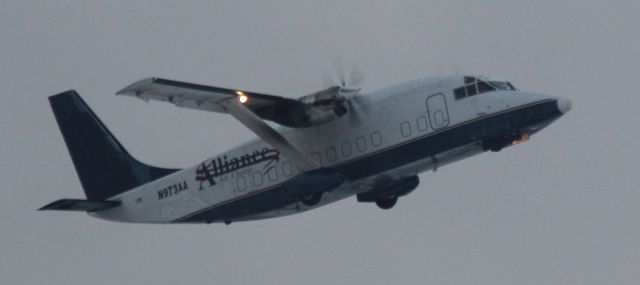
(523, 138)
(243, 98)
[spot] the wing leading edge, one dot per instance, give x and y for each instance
(208, 98)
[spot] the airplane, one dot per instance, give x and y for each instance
(315, 150)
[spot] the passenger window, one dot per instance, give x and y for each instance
(405, 129)
(376, 139)
(257, 178)
(241, 183)
(331, 154)
(317, 157)
(422, 123)
(273, 174)
(439, 118)
(346, 148)
(287, 169)
(361, 144)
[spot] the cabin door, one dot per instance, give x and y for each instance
(437, 110)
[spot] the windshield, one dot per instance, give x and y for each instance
(502, 85)
(474, 86)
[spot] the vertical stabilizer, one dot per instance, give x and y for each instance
(104, 167)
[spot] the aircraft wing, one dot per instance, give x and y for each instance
(250, 110)
(208, 98)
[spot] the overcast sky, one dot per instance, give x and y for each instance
(563, 208)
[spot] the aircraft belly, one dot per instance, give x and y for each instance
(344, 191)
(365, 184)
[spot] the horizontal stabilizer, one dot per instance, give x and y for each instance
(80, 205)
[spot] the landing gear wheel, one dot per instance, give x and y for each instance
(386, 203)
(311, 199)
(339, 110)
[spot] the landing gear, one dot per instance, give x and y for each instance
(386, 203)
(385, 195)
(311, 199)
(340, 110)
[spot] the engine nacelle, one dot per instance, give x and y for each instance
(316, 116)
(325, 105)
(318, 108)
(327, 98)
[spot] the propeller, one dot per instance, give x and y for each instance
(348, 88)
(355, 78)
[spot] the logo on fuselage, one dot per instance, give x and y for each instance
(211, 169)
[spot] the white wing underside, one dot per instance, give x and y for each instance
(223, 100)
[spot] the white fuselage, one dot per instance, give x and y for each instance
(381, 121)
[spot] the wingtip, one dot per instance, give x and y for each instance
(131, 89)
(122, 92)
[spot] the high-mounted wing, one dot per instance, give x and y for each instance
(201, 97)
(247, 107)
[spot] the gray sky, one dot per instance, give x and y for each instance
(560, 209)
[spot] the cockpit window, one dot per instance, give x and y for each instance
(473, 86)
(459, 93)
(502, 85)
(469, 79)
(484, 87)
(471, 90)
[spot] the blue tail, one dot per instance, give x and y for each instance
(104, 167)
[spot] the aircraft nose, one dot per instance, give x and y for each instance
(564, 105)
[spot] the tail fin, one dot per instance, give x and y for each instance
(104, 167)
